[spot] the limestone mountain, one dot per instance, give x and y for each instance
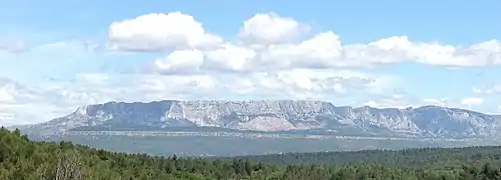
(275, 116)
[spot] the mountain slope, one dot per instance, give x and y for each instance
(284, 115)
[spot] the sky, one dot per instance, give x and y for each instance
(58, 55)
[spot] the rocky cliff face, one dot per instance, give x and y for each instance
(286, 115)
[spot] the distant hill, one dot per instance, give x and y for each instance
(274, 116)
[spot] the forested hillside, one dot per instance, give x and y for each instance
(21, 158)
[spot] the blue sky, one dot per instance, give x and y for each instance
(57, 55)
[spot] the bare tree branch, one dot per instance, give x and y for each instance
(69, 165)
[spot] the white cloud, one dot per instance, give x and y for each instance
(160, 32)
(321, 51)
(270, 28)
(180, 61)
(12, 92)
(19, 104)
(230, 57)
(279, 49)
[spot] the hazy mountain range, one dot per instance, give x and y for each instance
(274, 116)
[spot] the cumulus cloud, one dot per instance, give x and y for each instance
(271, 28)
(281, 45)
(180, 61)
(160, 32)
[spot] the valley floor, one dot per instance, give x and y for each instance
(235, 144)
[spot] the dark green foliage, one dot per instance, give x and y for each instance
(438, 157)
(21, 158)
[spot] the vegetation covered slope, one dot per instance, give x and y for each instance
(21, 158)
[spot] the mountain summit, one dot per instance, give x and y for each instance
(274, 116)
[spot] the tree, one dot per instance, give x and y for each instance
(69, 165)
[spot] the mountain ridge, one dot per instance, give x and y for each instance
(276, 116)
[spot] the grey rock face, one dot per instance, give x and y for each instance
(285, 115)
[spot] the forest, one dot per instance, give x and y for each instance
(22, 159)
(417, 157)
